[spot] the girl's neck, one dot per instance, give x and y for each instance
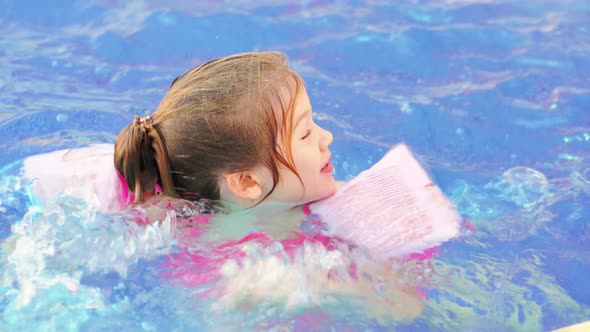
(263, 209)
(277, 220)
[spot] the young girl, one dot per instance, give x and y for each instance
(238, 131)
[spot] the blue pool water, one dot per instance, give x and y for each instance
(493, 95)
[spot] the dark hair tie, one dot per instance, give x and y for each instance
(145, 122)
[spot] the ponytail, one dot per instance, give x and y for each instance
(142, 159)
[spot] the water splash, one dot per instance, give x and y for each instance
(52, 247)
(523, 186)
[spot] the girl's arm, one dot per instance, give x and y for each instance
(317, 277)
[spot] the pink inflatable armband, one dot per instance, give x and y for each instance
(76, 172)
(392, 209)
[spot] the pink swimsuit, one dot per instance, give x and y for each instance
(195, 267)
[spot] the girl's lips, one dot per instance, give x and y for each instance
(328, 168)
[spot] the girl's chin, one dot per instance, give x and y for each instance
(327, 192)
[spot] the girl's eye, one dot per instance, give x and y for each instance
(307, 133)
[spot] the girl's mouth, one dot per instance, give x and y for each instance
(327, 168)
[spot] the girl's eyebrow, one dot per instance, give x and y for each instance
(301, 117)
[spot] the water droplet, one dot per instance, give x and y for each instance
(62, 117)
(364, 38)
(567, 156)
(405, 108)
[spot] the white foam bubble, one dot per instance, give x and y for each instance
(55, 244)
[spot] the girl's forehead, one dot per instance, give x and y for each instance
(287, 97)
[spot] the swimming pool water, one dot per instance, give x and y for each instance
(493, 95)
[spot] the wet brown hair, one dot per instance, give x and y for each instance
(221, 117)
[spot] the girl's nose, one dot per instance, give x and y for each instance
(326, 139)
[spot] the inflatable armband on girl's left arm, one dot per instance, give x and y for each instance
(78, 172)
(392, 209)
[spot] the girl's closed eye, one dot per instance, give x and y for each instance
(307, 133)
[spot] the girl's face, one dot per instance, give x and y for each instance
(311, 157)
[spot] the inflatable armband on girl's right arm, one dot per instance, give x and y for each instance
(392, 209)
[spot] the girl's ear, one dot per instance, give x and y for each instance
(245, 185)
